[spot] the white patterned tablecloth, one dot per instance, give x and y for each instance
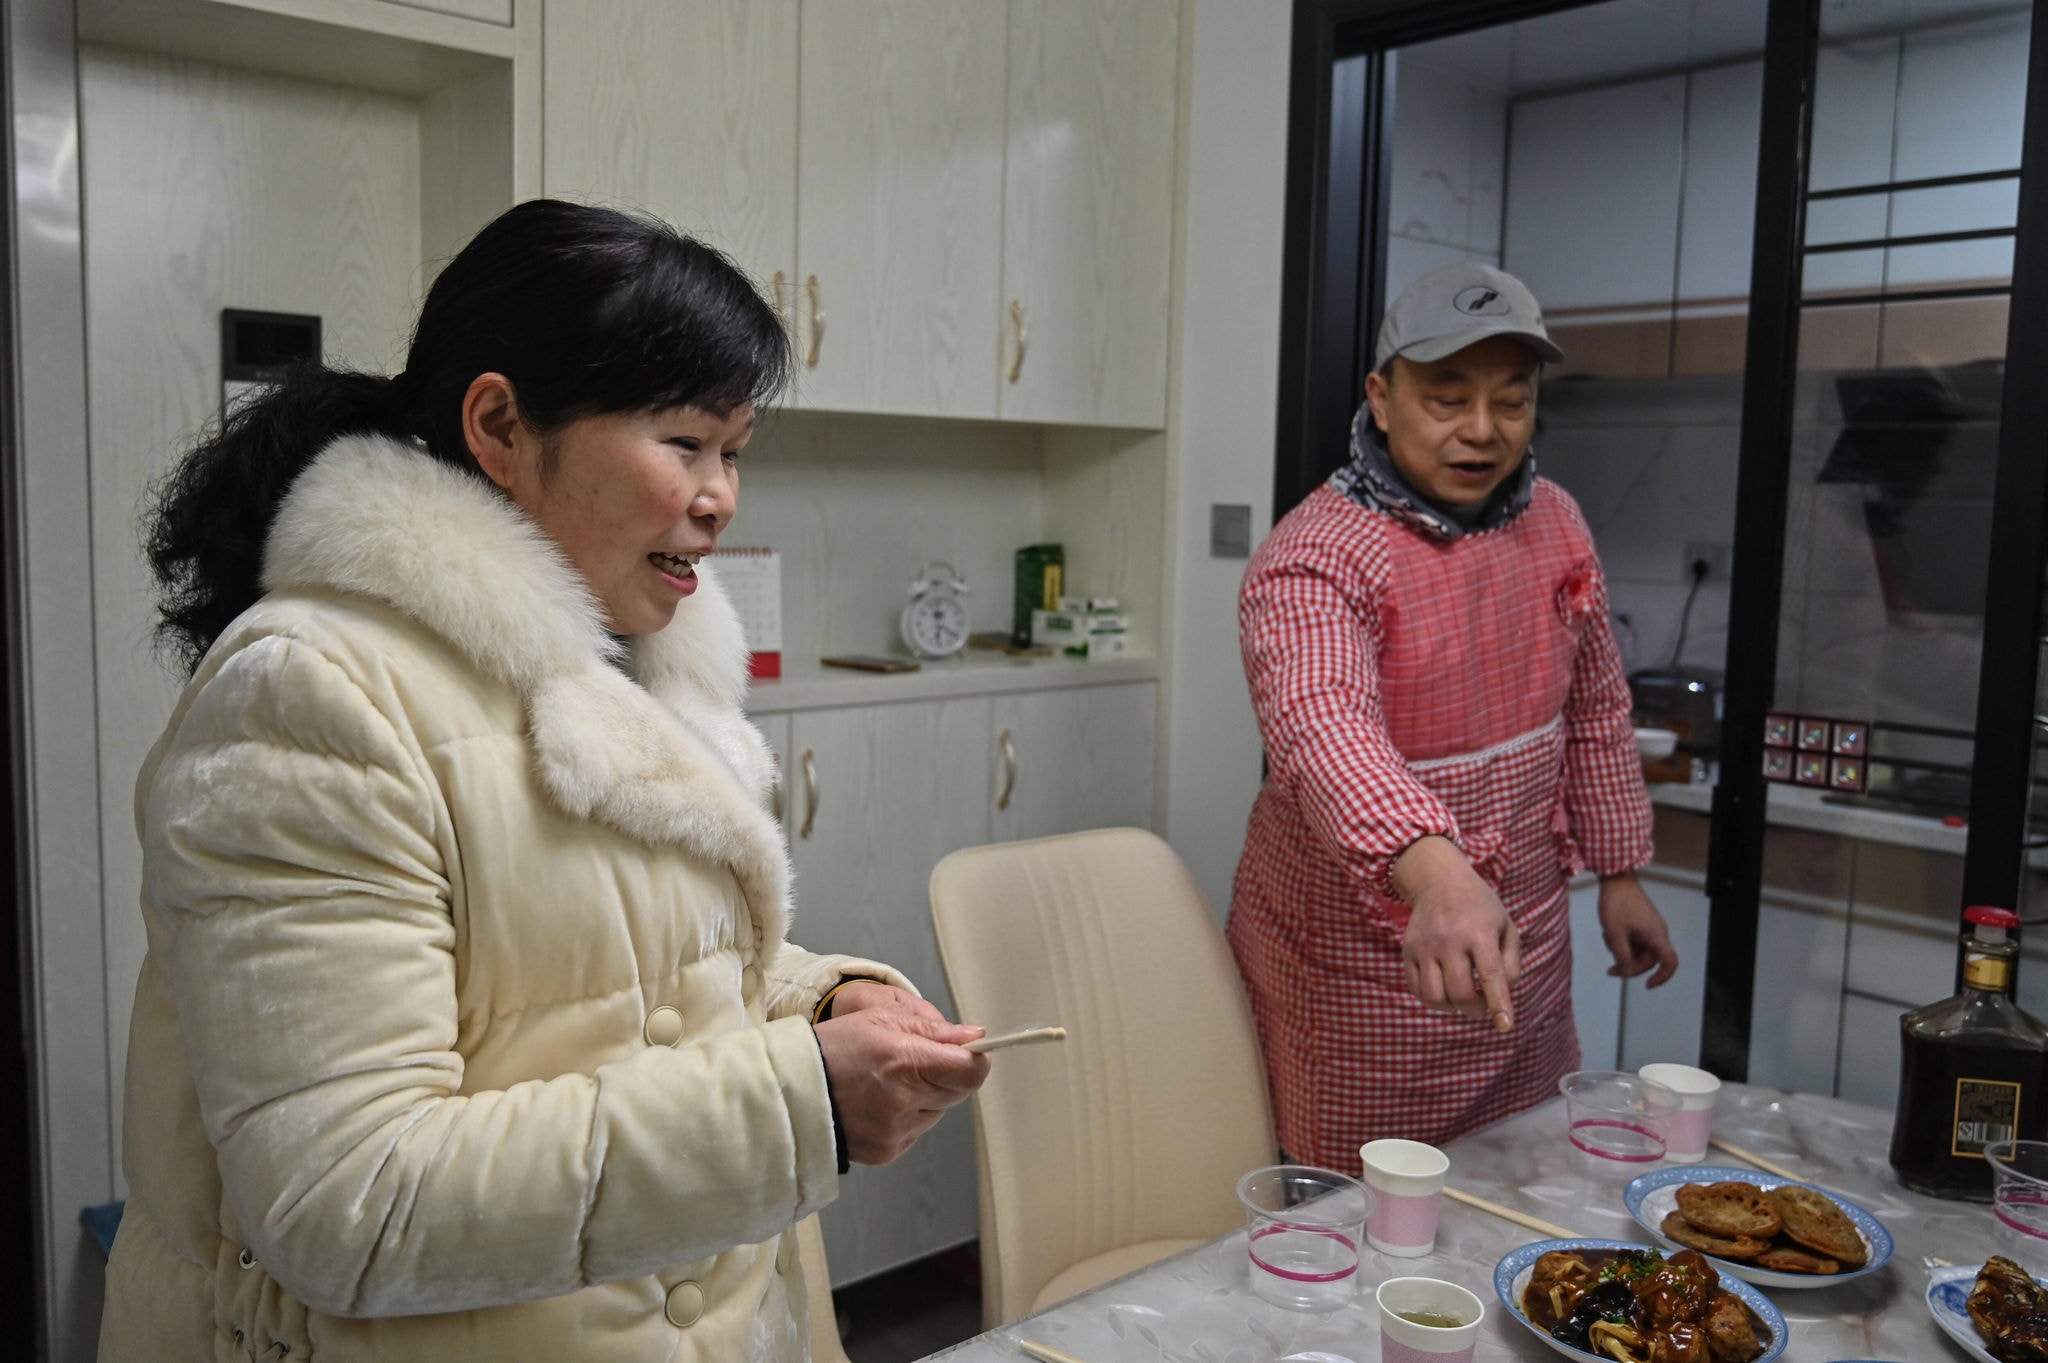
(1198, 1308)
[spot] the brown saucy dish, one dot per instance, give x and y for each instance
(1636, 1306)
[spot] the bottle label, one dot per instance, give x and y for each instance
(1987, 1111)
(1986, 972)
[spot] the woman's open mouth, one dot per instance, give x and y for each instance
(679, 569)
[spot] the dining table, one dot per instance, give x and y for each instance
(1198, 1306)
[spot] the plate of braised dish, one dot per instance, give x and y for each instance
(1997, 1313)
(1625, 1303)
(1763, 1229)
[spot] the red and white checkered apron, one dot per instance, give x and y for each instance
(1407, 686)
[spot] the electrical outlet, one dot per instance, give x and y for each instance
(1717, 555)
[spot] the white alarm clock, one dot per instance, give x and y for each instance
(934, 624)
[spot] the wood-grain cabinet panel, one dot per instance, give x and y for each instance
(900, 181)
(878, 795)
(1088, 210)
(1073, 760)
(683, 108)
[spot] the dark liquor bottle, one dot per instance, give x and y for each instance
(1974, 1071)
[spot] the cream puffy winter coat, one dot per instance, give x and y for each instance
(468, 1030)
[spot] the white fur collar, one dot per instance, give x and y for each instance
(670, 760)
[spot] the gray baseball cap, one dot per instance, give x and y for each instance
(1458, 305)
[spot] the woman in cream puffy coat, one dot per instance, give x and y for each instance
(468, 1028)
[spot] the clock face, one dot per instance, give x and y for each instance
(935, 624)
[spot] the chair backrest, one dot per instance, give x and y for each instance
(1136, 1127)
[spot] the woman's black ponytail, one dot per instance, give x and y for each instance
(586, 310)
(213, 511)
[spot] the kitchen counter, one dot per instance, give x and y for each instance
(1808, 807)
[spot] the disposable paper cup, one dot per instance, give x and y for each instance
(1685, 1135)
(1407, 1181)
(1404, 1341)
(1305, 1225)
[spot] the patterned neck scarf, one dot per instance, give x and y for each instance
(1371, 480)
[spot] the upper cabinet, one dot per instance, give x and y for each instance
(1088, 210)
(900, 182)
(964, 207)
(682, 108)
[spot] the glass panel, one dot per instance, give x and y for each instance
(1894, 446)
(1607, 156)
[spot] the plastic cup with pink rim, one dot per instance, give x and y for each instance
(1613, 1115)
(1692, 1126)
(2019, 1196)
(1407, 1182)
(1306, 1226)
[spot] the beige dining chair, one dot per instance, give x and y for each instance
(810, 1252)
(1122, 1144)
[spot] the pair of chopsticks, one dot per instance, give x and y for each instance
(1556, 1232)
(1730, 1148)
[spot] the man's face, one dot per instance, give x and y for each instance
(1458, 427)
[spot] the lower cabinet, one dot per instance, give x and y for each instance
(873, 797)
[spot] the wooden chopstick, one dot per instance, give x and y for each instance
(1758, 1160)
(1046, 1352)
(1536, 1224)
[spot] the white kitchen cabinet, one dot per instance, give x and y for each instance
(1718, 222)
(879, 794)
(1664, 1024)
(1795, 1014)
(1870, 1051)
(1593, 195)
(775, 728)
(1596, 995)
(965, 207)
(1074, 759)
(681, 108)
(1088, 210)
(900, 185)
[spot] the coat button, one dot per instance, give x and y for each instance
(684, 1305)
(785, 1253)
(750, 983)
(664, 1027)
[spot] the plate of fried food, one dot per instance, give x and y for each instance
(1761, 1228)
(1997, 1313)
(1627, 1303)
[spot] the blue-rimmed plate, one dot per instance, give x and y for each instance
(1948, 1289)
(1654, 1196)
(1511, 1275)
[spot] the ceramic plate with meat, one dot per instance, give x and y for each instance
(2006, 1299)
(1626, 1300)
(1653, 1197)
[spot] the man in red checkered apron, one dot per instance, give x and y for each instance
(1448, 737)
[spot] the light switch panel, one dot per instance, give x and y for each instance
(1230, 530)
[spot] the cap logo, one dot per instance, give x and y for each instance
(1481, 301)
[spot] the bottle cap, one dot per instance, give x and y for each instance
(1986, 916)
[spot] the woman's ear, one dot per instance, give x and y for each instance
(492, 429)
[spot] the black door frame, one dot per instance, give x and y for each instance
(1336, 233)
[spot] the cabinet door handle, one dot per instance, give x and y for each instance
(810, 793)
(778, 283)
(817, 323)
(1023, 338)
(1009, 769)
(775, 788)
